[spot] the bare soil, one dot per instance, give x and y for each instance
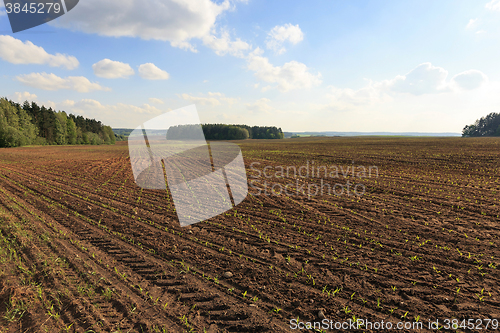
(84, 249)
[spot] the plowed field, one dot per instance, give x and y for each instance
(84, 249)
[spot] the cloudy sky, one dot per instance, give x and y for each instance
(359, 65)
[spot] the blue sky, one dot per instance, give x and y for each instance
(419, 66)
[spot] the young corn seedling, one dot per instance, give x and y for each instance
(336, 291)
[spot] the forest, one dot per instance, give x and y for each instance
(31, 124)
(225, 132)
(486, 126)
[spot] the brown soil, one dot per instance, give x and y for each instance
(83, 249)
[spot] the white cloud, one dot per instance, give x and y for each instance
(443, 112)
(213, 99)
(493, 5)
(424, 79)
(429, 79)
(53, 82)
(16, 52)
(20, 97)
(153, 100)
(472, 23)
(345, 98)
(2, 13)
(92, 104)
(115, 115)
(67, 103)
(224, 45)
(280, 34)
(471, 79)
(292, 75)
(201, 100)
(229, 100)
(110, 69)
(176, 21)
(150, 72)
(260, 105)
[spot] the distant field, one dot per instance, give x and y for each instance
(83, 249)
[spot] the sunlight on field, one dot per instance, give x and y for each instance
(99, 253)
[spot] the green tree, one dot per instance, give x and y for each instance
(71, 135)
(16, 128)
(486, 126)
(59, 129)
(85, 138)
(108, 136)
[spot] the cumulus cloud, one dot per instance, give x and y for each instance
(91, 104)
(281, 34)
(469, 80)
(429, 79)
(153, 100)
(16, 52)
(110, 69)
(229, 100)
(20, 97)
(115, 115)
(260, 106)
(150, 72)
(472, 23)
(223, 45)
(292, 75)
(342, 98)
(53, 82)
(424, 79)
(493, 5)
(201, 100)
(212, 99)
(175, 21)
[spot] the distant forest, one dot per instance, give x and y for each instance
(486, 126)
(214, 132)
(225, 132)
(31, 124)
(255, 132)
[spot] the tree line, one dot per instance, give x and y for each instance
(31, 124)
(486, 126)
(240, 132)
(224, 132)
